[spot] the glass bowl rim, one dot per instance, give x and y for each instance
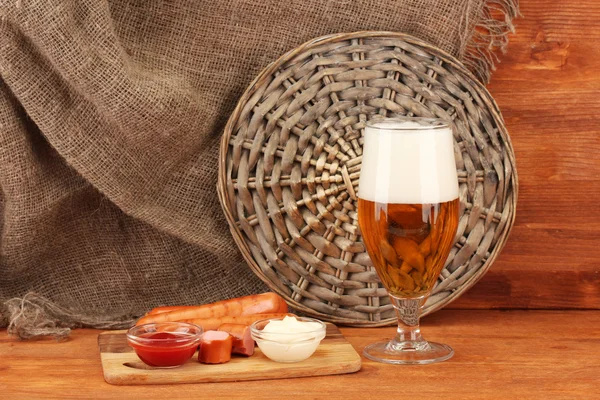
(258, 332)
(193, 337)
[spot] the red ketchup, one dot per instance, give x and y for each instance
(165, 349)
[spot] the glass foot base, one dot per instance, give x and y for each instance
(408, 352)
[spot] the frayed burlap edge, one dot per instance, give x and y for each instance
(34, 316)
(489, 37)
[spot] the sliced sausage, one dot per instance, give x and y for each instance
(215, 347)
(242, 339)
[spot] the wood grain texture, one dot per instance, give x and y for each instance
(547, 88)
(499, 355)
(121, 366)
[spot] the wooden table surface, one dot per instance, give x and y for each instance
(499, 355)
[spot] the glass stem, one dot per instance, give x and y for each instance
(409, 313)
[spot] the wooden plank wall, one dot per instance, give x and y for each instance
(548, 88)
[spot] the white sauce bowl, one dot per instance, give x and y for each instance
(288, 347)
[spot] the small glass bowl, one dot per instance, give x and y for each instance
(287, 347)
(165, 344)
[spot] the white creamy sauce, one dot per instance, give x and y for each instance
(295, 330)
(290, 340)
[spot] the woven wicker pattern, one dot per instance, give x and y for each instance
(291, 156)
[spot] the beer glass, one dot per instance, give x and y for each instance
(408, 215)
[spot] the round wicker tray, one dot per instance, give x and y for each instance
(291, 155)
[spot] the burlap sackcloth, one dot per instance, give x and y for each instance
(110, 119)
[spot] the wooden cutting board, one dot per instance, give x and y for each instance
(122, 366)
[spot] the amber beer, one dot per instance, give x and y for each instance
(408, 243)
(408, 204)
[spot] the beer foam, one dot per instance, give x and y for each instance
(406, 162)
